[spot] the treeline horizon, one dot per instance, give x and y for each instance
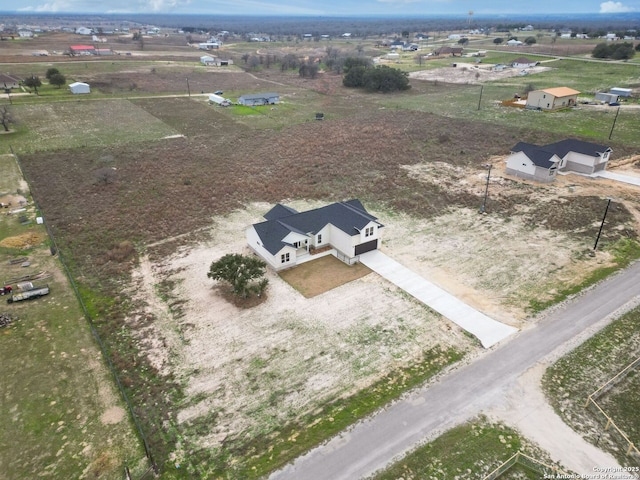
(334, 26)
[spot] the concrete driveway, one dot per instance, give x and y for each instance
(618, 177)
(487, 330)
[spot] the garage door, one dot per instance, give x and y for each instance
(366, 247)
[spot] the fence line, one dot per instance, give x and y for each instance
(591, 401)
(54, 249)
(526, 461)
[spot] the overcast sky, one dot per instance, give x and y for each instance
(326, 7)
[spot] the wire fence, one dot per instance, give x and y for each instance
(546, 471)
(610, 425)
(153, 468)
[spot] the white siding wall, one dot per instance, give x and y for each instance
(274, 261)
(519, 162)
(341, 241)
(364, 238)
(581, 159)
(326, 237)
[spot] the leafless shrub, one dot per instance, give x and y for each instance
(105, 176)
(122, 252)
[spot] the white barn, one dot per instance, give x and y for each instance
(79, 88)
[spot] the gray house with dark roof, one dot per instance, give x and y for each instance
(288, 238)
(533, 163)
(541, 163)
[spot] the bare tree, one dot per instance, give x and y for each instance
(6, 118)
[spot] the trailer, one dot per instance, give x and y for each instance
(30, 294)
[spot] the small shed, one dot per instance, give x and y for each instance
(621, 92)
(217, 99)
(79, 88)
(606, 97)
(259, 99)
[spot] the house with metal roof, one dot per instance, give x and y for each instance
(533, 163)
(288, 238)
(552, 98)
(541, 163)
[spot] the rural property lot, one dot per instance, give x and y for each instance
(217, 386)
(61, 415)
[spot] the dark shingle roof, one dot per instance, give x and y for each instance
(350, 217)
(279, 211)
(540, 156)
(563, 147)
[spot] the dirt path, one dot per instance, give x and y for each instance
(526, 408)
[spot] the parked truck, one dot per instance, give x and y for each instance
(29, 294)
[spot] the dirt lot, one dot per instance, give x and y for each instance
(471, 74)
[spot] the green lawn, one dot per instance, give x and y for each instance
(79, 124)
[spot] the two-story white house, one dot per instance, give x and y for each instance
(288, 238)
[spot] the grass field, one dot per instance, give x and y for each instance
(417, 154)
(470, 451)
(61, 415)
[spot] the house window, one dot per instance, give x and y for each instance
(296, 244)
(319, 241)
(284, 258)
(368, 232)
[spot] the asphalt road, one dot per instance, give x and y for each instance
(461, 395)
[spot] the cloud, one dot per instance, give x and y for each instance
(614, 7)
(46, 7)
(164, 5)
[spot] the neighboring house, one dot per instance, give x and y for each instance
(552, 98)
(84, 31)
(514, 43)
(79, 88)
(533, 163)
(574, 156)
(207, 60)
(288, 238)
(259, 99)
(581, 157)
(219, 62)
(209, 46)
(523, 62)
(9, 81)
(451, 51)
(82, 50)
(25, 33)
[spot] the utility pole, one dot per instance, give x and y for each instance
(614, 123)
(601, 225)
(486, 190)
(188, 89)
(480, 99)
